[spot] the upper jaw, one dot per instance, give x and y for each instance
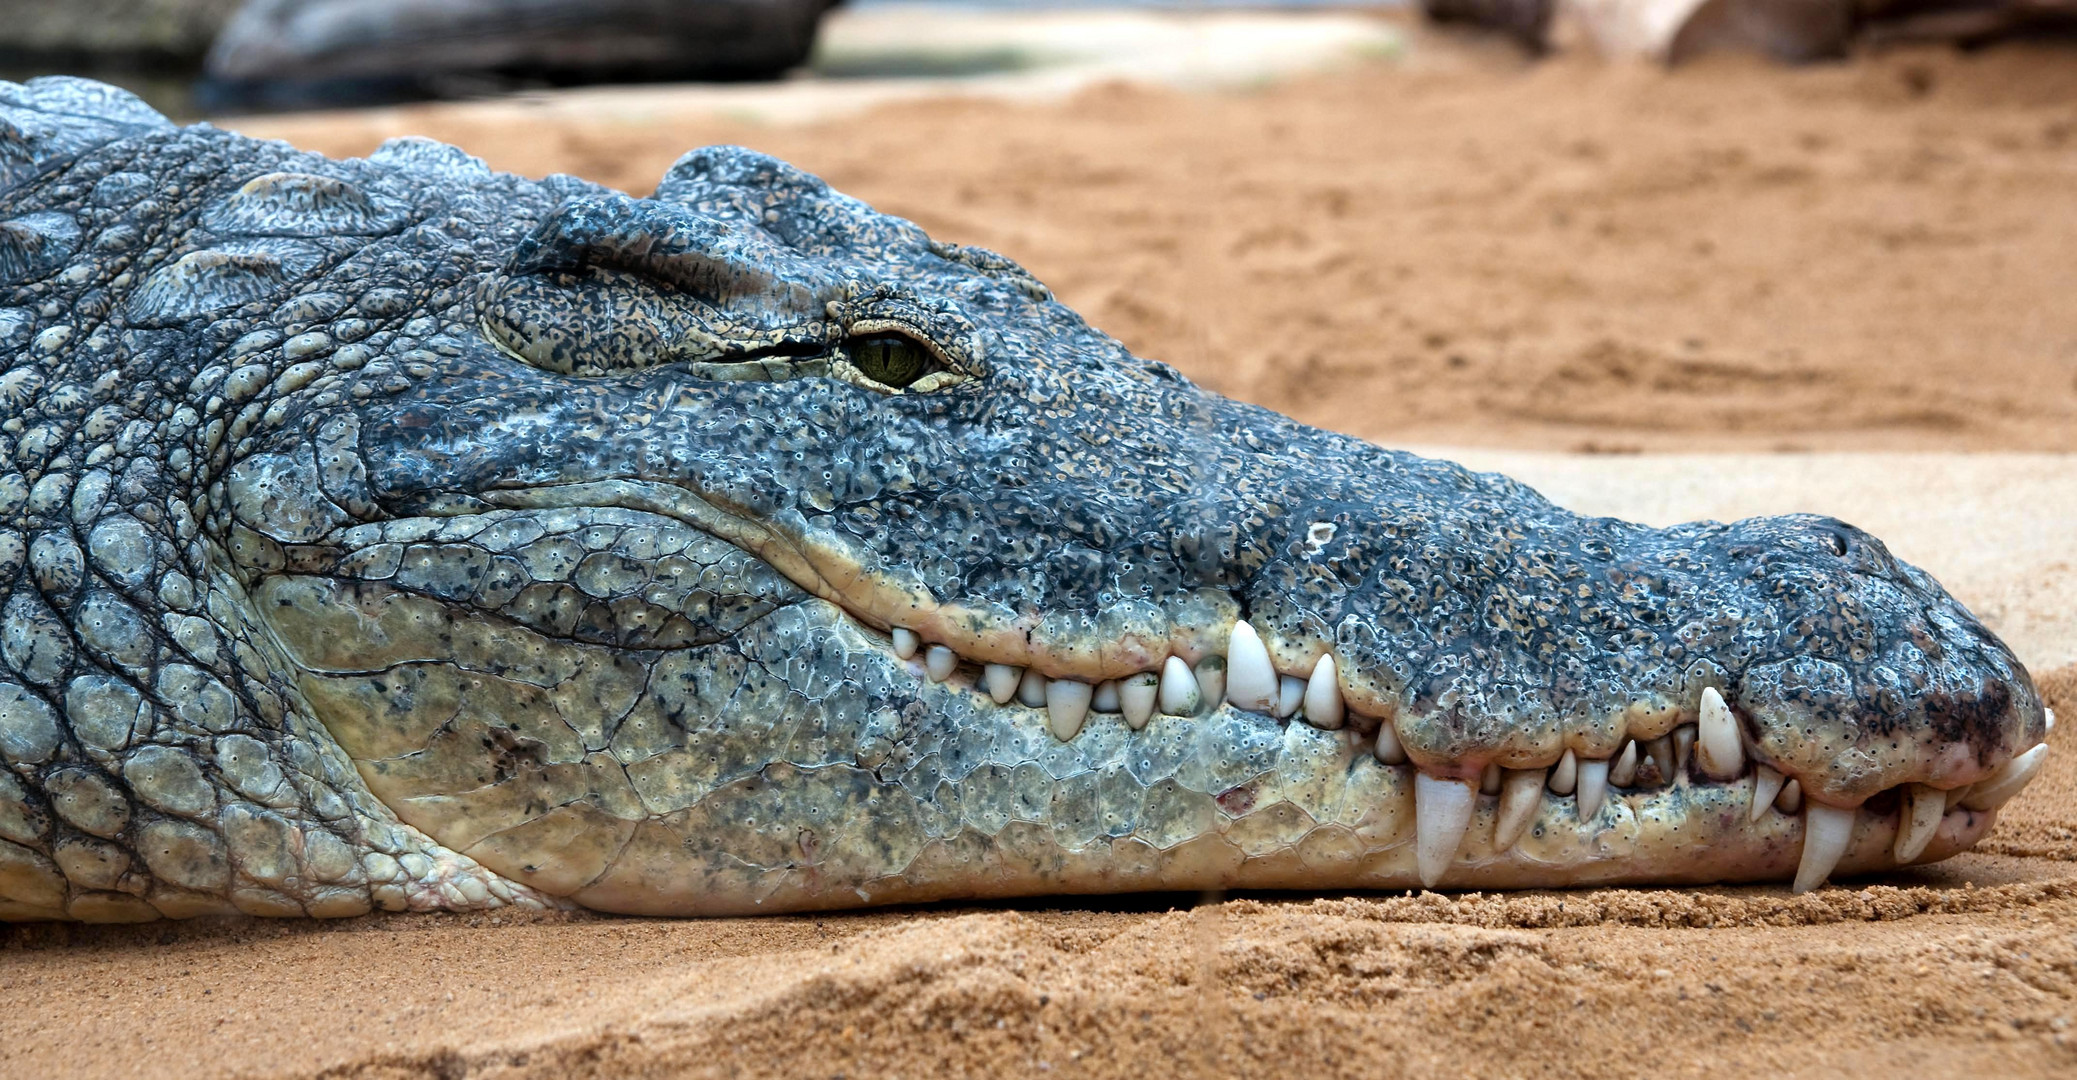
(1502, 712)
(1492, 626)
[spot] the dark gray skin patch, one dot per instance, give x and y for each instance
(395, 533)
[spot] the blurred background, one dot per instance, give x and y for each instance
(193, 57)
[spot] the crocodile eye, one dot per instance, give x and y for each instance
(895, 360)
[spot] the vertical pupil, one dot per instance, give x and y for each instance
(889, 358)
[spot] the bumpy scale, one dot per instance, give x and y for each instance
(393, 533)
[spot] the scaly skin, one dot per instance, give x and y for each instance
(395, 533)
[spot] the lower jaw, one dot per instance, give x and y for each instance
(794, 798)
(1685, 834)
(1321, 813)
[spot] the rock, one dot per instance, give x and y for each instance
(421, 41)
(176, 32)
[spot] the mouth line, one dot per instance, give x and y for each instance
(1707, 752)
(1157, 662)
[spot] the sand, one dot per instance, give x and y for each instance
(1453, 250)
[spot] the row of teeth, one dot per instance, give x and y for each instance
(1246, 679)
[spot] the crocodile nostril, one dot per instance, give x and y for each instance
(1841, 545)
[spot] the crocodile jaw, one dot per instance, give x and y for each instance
(266, 407)
(809, 760)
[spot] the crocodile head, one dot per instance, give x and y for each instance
(396, 533)
(743, 546)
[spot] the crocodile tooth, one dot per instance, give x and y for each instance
(939, 663)
(906, 642)
(1593, 785)
(1991, 793)
(1624, 771)
(1766, 784)
(1031, 690)
(1290, 694)
(1661, 751)
(1211, 681)
(1826, 829)
(1521, 795)
(1136, 695)
(1067, 705)
(1442, 811)
(1718, 748)
(1323, 708)
(1791, 798)
(1179, 695)
(1683, 749)
(1388, 749)
(1251, 682)
(2047, 720)
(1918, 820)
(1106, 698)
(1489, 779)
(1566, 776)
(1001, 681)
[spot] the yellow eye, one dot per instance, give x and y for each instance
(890, 359)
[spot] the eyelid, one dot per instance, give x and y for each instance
(870, 327)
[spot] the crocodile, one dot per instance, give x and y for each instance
(398, 534)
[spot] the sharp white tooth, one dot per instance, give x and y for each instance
(1067, 705)
(1489, 780)
(1917, 820)
(1323, 707)
(1791, 798)
(1388, 749)
(1001, 681)
(939, 662)
(1718, 748)
(1566, 776)
(1683, 749)
(1179, 695)
(1593, 786)
(906, 642)
(2048, 720)
(1211, 681)
(1031, 690)
(1661, 751)
(1766, 784)
(1290, 694)
(1521, 795)
(1136, 696)
(1624, 771)
(1106, 697)
(1251, 682)
(1442, 811)
(1826, 830)
(1991, 793)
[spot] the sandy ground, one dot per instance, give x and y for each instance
(1453, 250)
